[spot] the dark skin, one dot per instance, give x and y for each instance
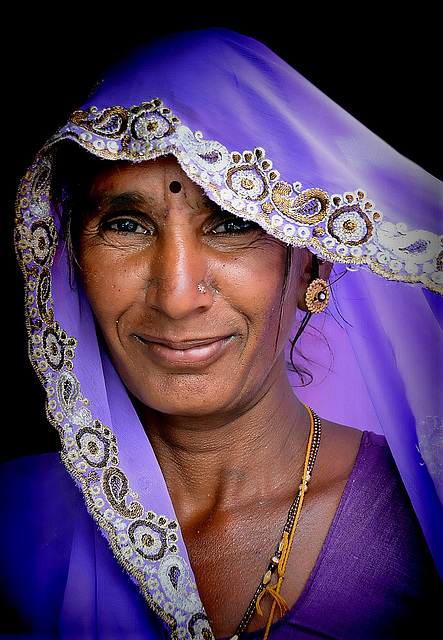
(206, 368)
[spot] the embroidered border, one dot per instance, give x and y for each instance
(342, 228)
(146, 544)
(346, 228)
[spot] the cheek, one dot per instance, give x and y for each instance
(109, 283)
(277, 299)
(253, 285)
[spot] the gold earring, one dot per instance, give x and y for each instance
(317, 296)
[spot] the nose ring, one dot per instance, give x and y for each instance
(201, 288)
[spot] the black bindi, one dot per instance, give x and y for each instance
(175, 186)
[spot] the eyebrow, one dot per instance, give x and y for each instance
(108, 203)
(112, 203)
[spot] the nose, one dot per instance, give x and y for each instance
(179, 284)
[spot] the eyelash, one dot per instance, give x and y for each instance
(111, 224)
(232, 225)
(242, 226)
(124, 221)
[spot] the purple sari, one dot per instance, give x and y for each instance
(74, 588)
(268, 146)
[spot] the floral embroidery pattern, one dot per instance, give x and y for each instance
(147, 545)
(345, 228)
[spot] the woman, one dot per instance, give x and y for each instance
(168, 234)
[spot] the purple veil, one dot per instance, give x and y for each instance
(268, 146)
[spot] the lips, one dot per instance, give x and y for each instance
(185, 352)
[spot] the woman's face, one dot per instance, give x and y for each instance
(187, 296)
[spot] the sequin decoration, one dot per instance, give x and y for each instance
(309, 207)
(346, 228)
(140, 540)
(349, 224)
(43, 296)
(174, 576)
(94, 448)
(152, 539)
(57, 349)
(111, 122)
(247, 179)
(69, 397)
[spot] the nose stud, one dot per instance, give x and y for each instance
(175, 186)
(201, 288)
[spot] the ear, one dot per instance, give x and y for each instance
(307, 275)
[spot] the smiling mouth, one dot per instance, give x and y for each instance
(187, 352)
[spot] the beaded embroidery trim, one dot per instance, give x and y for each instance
(345, 228)
(145, 543)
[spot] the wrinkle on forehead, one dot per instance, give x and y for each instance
(125, 187)
(114, 202)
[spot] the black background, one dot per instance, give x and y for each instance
(379, 64)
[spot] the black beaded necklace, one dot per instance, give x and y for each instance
(280, 558)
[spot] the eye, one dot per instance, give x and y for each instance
(124, 225)
(235, 226)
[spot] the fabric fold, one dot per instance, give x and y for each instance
(269, 147)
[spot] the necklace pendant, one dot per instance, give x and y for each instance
(286, 539)
(267, 577)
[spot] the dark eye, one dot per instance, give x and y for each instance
(235, 225)
(125, 225)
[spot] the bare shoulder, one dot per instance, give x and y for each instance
(338, 451)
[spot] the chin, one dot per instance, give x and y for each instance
(184, 396)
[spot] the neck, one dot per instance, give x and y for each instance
(215, 463)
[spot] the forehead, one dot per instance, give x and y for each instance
(162, 176)
(154, 184)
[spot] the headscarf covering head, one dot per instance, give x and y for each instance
(257, 137)
(266, 145)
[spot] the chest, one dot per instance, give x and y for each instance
(230, 554)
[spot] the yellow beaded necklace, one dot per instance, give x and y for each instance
(280, 558)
